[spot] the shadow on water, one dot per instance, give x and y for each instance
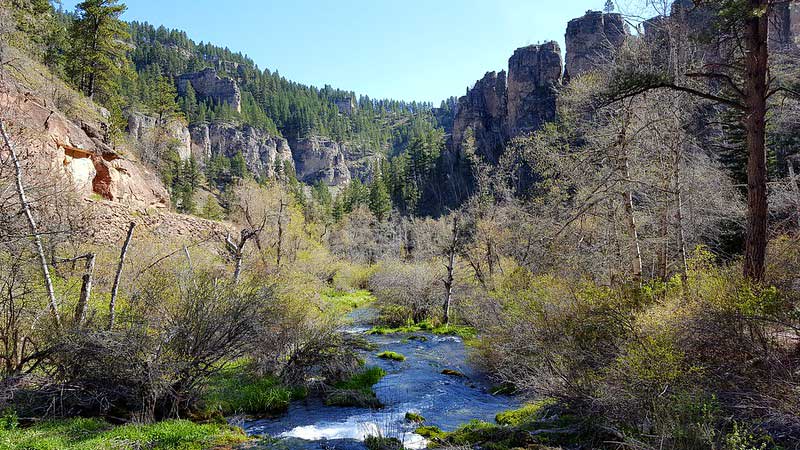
(414, 385)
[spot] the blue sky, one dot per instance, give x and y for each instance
(423, 50)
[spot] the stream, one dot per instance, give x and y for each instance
(414, 385)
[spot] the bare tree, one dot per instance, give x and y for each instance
(118, 277)
(743, 45)
(452, 251)
(34, 230)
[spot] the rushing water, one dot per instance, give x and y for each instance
(414, 385)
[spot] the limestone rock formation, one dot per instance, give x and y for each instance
(320, 159)
(483, 110)
(209, 85)
(261, 150)
(534, 74)
(140, 125)
(499, 108)
(591, 40)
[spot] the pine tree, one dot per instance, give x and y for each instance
(609, 7)
(212, 209)
(163, 103)
(190, 106)
(238, 166)
(379, 201)
(98, 48)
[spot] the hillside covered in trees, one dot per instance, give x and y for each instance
(594, 249)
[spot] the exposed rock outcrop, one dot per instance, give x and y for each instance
(77, 154)
(261, 150)
(320, 159)
(499, 108)
(534, 74)
(140, 127)
(209, 85)
(592, 40)
(483, 110)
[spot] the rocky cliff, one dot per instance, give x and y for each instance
(483, 110)
(210, 86)
(500, 107)
(534, 74)
(77, 153)
(320, 159)
(592, 40)
(140, 127)
(262, 151)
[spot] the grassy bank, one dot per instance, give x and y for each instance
(357, 390)
(343, 302)
(534, 425)
(96, 434)
(462, 331)
(235, 390)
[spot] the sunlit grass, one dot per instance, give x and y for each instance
(96, 434)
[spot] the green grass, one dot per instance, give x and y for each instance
(343, 302)
(362, 381)
(357, 390)
(462, 331)
(96, 434)
(414, 417)
(528, 413)
(512, 430)
(235, 390)
(394, 356)
(382, 443)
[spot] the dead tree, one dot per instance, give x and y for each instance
(86, 285)
(452, 250)
(32, 227)
(118, 277)
(279, 241)
(236, 249)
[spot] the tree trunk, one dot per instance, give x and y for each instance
(630, 219)
(279, 250)
(756, 86)
(86, 291)
(37, 239)
(795, 188)
(118, 277)
(451, 262)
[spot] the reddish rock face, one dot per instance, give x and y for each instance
(77, 154)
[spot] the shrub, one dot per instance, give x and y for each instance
(407, 293)
(154, 366)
